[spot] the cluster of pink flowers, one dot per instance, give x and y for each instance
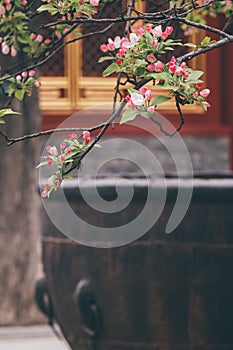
(141, 98)
(39, 38)
(27, 80)
(178, 69)
(202, 92)
(68, 149)
(123, 44)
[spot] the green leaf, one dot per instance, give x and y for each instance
(105, 58)
(191, 45)
(19, 94)
(194, 75)
(110, 69)
(160, 99)
(129, 114)
(2, 121)
(48, 7)
(6, 111)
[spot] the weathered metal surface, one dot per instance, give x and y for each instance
(162, 292)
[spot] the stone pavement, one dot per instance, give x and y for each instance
(30, 338)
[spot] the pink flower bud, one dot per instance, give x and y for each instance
(118, 62)
(52, 150)
(38, 84)
(18, 78)
(205, 92)
(140, 31)
(172, 68)
(87, 137)
(154, 43)
(179, 71)
(196, 94)
(169, 30)
(164, 35)
(143, 90)
(57, 183)
(208, 105)
(150, 67)
(148, 94)
(103, 48)
(39, 38)
(8, 6)
(2, 10)
(24, 74)
(159, 66)
(173, 60)
(183, 65)
(131, 104)
(68, 150)
(49, 161)
(111, 46)
(13, 51)
(151, 58)
(72, 136)
(199, 85)
(62, 145)
(44, 194)
(151, 108)
(94, 2)
(127, 98)
(32, 36)
(5, 48)
(148, 29)
(62, 158)
(24, 2)
(32, 73)
(47, 41)
(185, 74)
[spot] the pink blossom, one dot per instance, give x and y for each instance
(32, 36)
(172, 68)
(39, 38)
(94, 2)
(169, 30)
(131, 104)
(143, 90)
(52, 150)
(179, 71)
(151, 108)
(185, 74)
(44, 194)
(24, 2)
(148, 94)
(103, 48)
(38, 84)
(172, 60)
(62, 158)
(118, 62)
(13, 51)
(151, 58)
(47, 41)
(111, 47)
(164, 35)
(32, 73)
(159, 66)
(2, 10)
(24, 74)
(62, 145)
(8, 6)
(154, 43)
(18, 78)
(5, 48)
(57, 183)
(148, 29)
(199, 85)
(72, 136)
(133, 39)
(157, 31)
(196, 94)
(151, 67)
(49, 161)
(140, 31)
(127, 98)
(87, 137)
(208, 105)
(183, 65)
(68, 150)
(205, 92)
(137, 99)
